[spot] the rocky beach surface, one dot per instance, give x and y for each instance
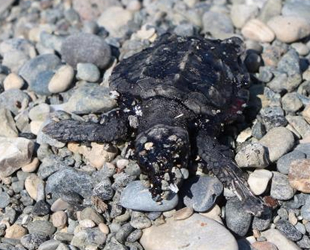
(56, 57)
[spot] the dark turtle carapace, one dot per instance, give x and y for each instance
(174, 98)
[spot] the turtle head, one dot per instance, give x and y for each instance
(162, 152)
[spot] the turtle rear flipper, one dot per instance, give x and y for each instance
(113, 128)
(226, 170)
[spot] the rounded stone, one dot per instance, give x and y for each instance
(13, 81)
(252, 155)
(258, 180)
(61, 80)
(35, 187)
(39, 112)
(279, 141)
(258, 31)
(280, 187)
(86, 48)
(283, 164)
(289, 29)
(15, 232)
(87, 72)
(137, 197)
(241, 13)
(277, 238)
(196, 231)
(41, 227)
(59, 219)
(299, 175)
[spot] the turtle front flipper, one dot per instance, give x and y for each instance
(113, 127)
(225, 169)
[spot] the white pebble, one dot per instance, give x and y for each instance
(61, 80)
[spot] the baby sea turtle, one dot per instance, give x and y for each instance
(175, 96)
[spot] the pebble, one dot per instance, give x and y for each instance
(270, 9)
(253, 155)
(241, 13)
(299, 124)
(256, 30)
(5, 5)
(35, 187)
(263, 245)
(41, 82)
(87, 223)
(277, 238)
(305, 209)
(291, 102)
(306, 113)
(49, 245)
(140, 220)
(31, 70)
(301, 48)
(14, 100)
(7, 124)
(16, 152)
(304, 243)
(15, 231)
(263, 222)
(283, 164)
(104, 190)
(87, 72)
(41, 208)
(13, 81)
(91, 214)
(201, 192)
(88, 236)
(61, 80)
(59, 205)
(280, 187)
(289, 29)
(279, 141)
(39, 112)
(86, 48)
(88, 98)
(103, 228)
(197, 232)
(297, 9)
(113, 26)
(59, 219)
(124, 232)
(288, 230)
(258, 180)
(214, 213)
(32, 241)
(137, 197)
(237, 220)
(299, 175)
(218, 24)
(41, 227)
(52, 42)
(68, 180)
(183, 213)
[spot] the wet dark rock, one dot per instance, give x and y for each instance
(200, 192)
(289, 230)
(41, 208)
(237, 220)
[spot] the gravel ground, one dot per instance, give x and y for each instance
(56, 58)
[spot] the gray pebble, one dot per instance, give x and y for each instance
(88, 236)
(283, 164)
(272, 117)
(291, 102)
(305, 209)
(87, 72)
(263, 222)
(297, 8)
(200, 192)
(258, 130)
(68, 180)
(49, 245)
(86, 48)
(280, 187)
(253, 155)
(104, 190)
(41, 208)
(14, 100)
(237, 220)
(35, 66)
(300, 227)
(4, 199)
(304, 148)
(218, 24)
(265, 74)
(304, 243)
(139, 220)
(40, 83)
(92, 214)
(18, 186)
(134, 236)
(50, 164)
(288, 230)
(41, 227)
(184, 29)
(137, 197)
(32, 241)
(122, 234)
(299, 124)
(51, 41)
